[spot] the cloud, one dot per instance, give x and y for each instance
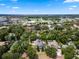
(72, 7)
(71, 1)
(15, 7)
(2, 4)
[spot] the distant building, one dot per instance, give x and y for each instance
(15, 20)
(4, 21)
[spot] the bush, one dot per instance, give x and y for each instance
(68, 52)
(51, 52)
(76, 57)
(10, 56)
(3, 49)
(32, 53)
(77, 44)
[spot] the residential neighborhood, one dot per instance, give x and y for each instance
(32, 37)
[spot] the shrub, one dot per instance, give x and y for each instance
(10, 56)
(68, 52)
(51, 52)
(77, 44)
(3, 49)
(32, 53)
(76, 57)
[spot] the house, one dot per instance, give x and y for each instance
(53, 44)
(15, 20)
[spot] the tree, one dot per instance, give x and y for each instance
(19, 46)
(25, 36)
(10, 37)
(9, 55)
(37, 27)
(3, 33)
(17, 30)
(43, 36)
(33, 36)
(77, 44)
(44, 27)
(32, 53)
(68, 52)
(58, 27)
(28, 36)
(3, 49)
(51, 52)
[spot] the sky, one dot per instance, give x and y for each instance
(39, 6)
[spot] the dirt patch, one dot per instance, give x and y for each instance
(42, 55)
